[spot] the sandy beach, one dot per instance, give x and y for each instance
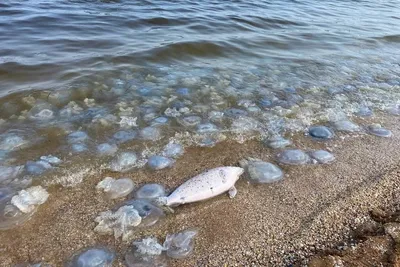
(314, 208)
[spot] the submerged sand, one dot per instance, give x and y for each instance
(314, 207)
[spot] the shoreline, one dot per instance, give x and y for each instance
(312, 209)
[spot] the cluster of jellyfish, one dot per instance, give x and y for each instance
(104, 120)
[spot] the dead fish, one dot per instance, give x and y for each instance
(204, 186)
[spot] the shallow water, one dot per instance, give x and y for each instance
(141, 74)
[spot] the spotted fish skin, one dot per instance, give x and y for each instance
(206, 185)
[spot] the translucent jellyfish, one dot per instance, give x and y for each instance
(173, 150)
(378, 130)
(322, 156)
(78, 148)
(41, 111)
(190, 121)
(180, 245)
(320, 132)
(346, 126)
(160, 121)
(364, 112)
(206, 128)
(146, 253)
(124, 136)
(150, 133)
(183, 91)
(128, 122)
(122, 222)
(235, 113)
(51, 159)
(77, 137)
(159, 162)
(116, 188)
(293, 157)
(93, 257)
(10, 172)
(261, 171)
(150, 191)
(149, 246)
(149, 213)
(127, 218)
(278, 142)
(10, 215)
(124, 162)
(27, 200)
(265, 102)
(215, 116)
(37, 167)
(207, 142)
(11, 142)
(106, 149)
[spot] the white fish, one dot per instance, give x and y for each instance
(204, 186)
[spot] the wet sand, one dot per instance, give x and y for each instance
(315, 207)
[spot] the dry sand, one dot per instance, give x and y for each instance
(314, 207)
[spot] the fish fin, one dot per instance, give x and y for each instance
(232, 192)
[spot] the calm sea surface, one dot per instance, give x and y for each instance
(55, 44)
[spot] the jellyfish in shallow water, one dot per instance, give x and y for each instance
(173, 150)
(116, 188)
(277, 142)
(17, 209)
(378, 130)
(235, 113)
(93, 257)
(120, 222)
(124, 220)
(159, 162)
(261, 171)
(180, 245)
(293, 157)
(322, 156)
(150, 191)
(77, 137)
(150, 133)
(320, 132)
(106, 149)
(346, 126)
(190, 121)
(124, 136)
(124, 162)
(10, 172)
